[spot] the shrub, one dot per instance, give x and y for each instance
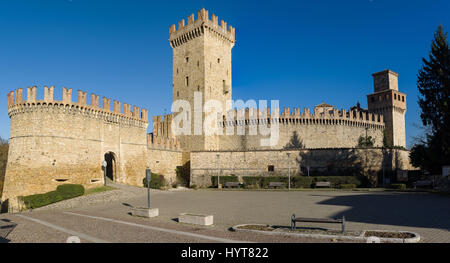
(301, 181)
(336, 181)
(194, 186)
(223, 179)
(62, 192)
(348, 186)
(398, 186)
(156, 182)
(252, 182)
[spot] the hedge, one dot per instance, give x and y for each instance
(398, 186)
(62, 192)
(304, 181)
(156, 182)
(347, 186)
(223, 179)
(336, 181)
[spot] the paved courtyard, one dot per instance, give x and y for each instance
(109, 221)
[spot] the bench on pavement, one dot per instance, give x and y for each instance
(318, 220)
(232, 184)
(322, 184)
(276, 184)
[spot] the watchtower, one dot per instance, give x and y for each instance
(201, 63)
(387, 100)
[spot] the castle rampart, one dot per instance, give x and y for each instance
(56, 142)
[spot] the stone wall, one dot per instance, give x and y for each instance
(165, 161)
(60, 142)
(256, 163)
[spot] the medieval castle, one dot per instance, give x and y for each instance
(55, 142)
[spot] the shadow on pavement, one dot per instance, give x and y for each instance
(412, 210)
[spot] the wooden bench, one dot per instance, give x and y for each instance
(232, 184)
(322, 184)
(276, 184)
(318, 220)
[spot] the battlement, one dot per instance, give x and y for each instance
(15, 100)
(162, 143)
(197, 27)
(161, 137)
(250, 116)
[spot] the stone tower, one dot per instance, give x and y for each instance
(201, 67)
(387, 100)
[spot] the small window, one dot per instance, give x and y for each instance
(218, 60)
(395, 96)
(187, 81)
(187, 59)
(177, 71)
(372, 99)
(379, 98)
(271, 168)
(403, 98)
(225, 90)
(61, 180)
(178, 94)
(198, 64)
(198, 88)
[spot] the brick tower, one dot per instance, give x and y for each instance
(201, 65)
(387, 100)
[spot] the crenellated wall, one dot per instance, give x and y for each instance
(58, 142)
(322, 129)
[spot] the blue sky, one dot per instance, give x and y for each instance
(299, 52)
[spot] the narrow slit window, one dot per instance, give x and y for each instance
(187, 81)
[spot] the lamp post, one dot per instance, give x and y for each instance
(104, 164)
(148, 176)
(289, 170)
(218, 171)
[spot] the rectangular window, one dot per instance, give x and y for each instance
(187, 81)
(271, 168)
(225, 90)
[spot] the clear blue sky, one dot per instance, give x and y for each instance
(300, 52)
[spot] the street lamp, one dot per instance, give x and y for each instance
(218, 171)
(289, 169)
(104, 164)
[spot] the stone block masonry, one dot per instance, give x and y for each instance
(59, 142)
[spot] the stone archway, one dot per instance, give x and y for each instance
(111, 160)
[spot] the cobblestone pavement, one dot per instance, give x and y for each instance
(426, 214)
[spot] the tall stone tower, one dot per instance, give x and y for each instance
(387, 100)
(201, 65)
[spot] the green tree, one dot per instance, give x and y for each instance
(366, 142)
(294, 143)
(434, 87)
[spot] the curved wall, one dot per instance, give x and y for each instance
(60, 142)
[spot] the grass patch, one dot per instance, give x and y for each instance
(98, 190)
(62, 192)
